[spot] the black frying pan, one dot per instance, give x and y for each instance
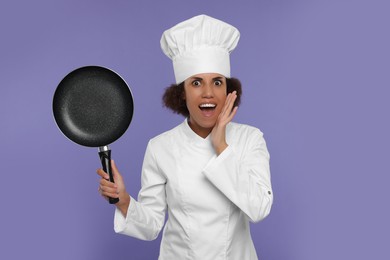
(93, 106)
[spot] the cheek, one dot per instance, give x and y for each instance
(222, 91)
(189, 101)
(189, 96)
(222, 95)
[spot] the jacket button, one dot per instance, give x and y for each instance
(269, 192)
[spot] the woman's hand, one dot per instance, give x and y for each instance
(114, 190)
(218, 134)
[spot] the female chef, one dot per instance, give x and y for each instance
(210, 174)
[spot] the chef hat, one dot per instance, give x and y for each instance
(201, 44)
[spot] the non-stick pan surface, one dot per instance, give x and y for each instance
(93, 106)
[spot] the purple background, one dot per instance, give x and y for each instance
(315, 77)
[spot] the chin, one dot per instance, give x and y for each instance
(208, 123)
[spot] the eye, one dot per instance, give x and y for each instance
(196, 83)
(218, 82)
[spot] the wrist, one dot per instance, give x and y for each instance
(123, 204)
(219, 149)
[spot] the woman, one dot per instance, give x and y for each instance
(210, 174)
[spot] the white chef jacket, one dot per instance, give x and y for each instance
(210, 199)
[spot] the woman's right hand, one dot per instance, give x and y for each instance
(114, 190)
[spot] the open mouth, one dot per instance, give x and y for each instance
(207, 107)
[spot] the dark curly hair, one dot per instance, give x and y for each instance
(173, 97)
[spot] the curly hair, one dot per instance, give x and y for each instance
(173, 97)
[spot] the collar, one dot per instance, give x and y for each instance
(193, 137)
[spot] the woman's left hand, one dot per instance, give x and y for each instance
(218, 134)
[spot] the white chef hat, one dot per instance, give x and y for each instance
(201, 44)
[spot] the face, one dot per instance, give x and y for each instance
(205, 95)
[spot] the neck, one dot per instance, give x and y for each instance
(201, 131)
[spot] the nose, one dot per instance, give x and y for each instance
(208, 91)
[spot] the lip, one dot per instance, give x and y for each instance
(208, 112)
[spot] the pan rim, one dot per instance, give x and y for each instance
(103, 68)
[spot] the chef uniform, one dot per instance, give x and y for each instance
(210, 199)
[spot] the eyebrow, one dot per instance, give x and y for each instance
(200, 79)
(196, 78)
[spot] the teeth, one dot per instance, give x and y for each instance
(207, 105)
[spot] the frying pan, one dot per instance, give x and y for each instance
(93, 106)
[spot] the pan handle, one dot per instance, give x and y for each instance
(105, 158)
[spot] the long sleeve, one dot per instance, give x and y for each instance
(242, 174)
(145, 217)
